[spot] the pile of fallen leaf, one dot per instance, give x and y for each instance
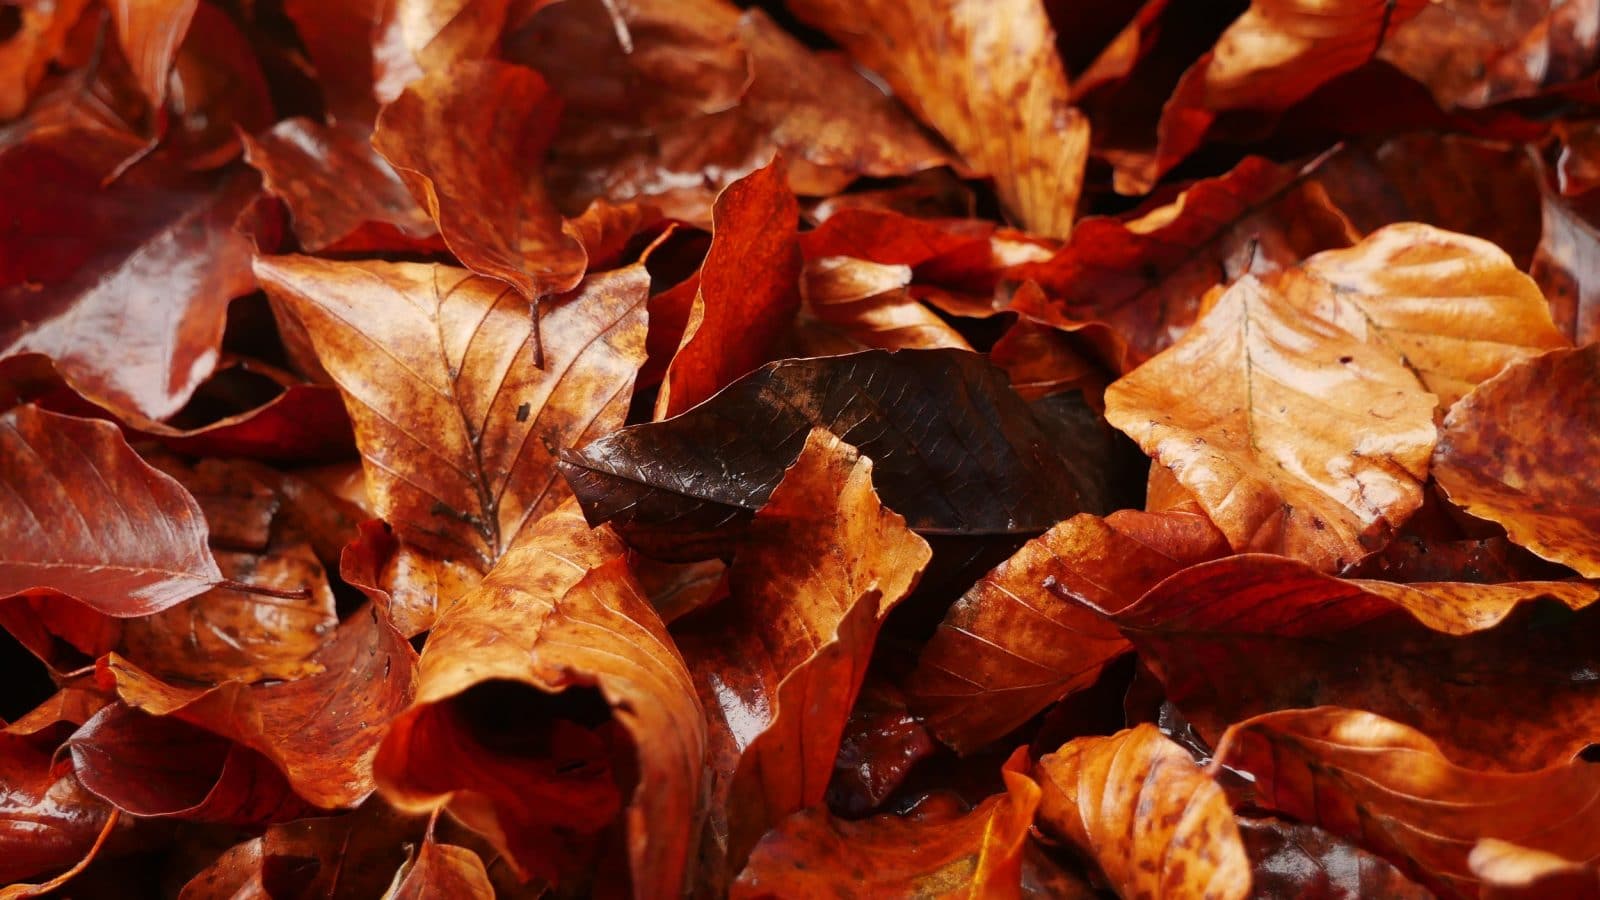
(938, 448)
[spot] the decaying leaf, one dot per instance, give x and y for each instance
(1525, 480)
(605, 717)
(1153, 821)
(781, 660)
(974, 854)
(974, 466)
(1388, 786)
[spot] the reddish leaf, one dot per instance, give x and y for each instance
(882, 741)
(443, 870)
(320, 731)
(851, 304)
(1565, 263)
(37, 40)
(93, 520)
(48, 822)
(1508, 871)
(125, 288)
(414, 39)
(976, 854)
(477, 174)
(1522, 479)
(550, 698)
(782, 660)
(1154, 822)
(150, 32)
(1143, 279)
(747, 294)
(1012, 645)
(989, 80)
(1249, 634)
(343, 196)
(1389, 787)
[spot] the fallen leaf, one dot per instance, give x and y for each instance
(477, 173)
(1453, 308)
(1523, 479)
(82, 256)
(343, 196)
(1154, 822)
(38, 39)
(1389, 787)
(1508, 871)
(1569, 250)
(150, 32)
(443, 870)
(882, 742)
(320, 731)
(747, 292)
(1327, 482)
(989, 80)
(603, 714)
(455, 350)
(1291, 859)
(781, 662)
(978, 465)
(1012, 645)
(93, 520)
(1249, 634)
(852, 304)
(1143, 279)
(975, 854)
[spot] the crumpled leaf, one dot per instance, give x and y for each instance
(48, 822)
(1294, 436)
(1452, 307)
(781, 660)
(1249, 634)
(549, 699)
(883, 741)
(1274, 55)
(976, 854)
(1522, 478)
(1388, 786)
(1013, 645)
(853, 304)
(125, 288)
(1154, 822)
(413, 39)
(457, 426)
(342, 195)
(1143, 279)
(1292, 859)
(975, 465)
(747, 292)
(985, 76)
(94, 521)
(321, 731)
(478, 174)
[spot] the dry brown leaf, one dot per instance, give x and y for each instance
(987, 77)
(1512, 452)
(1155, 823)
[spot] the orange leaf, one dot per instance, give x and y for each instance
(548, 698)
(1152, 819)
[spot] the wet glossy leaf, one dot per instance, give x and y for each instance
(974, 854)
(1521, 479)
(477, 173)
(549, 699)
(1012, 644)
(978, 465)
(1473, 663)
(125, 288)
(1154, 822)
(1294, 436)
(780, 661)
(143, 550)
(1291, 859)
(1389, 787)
